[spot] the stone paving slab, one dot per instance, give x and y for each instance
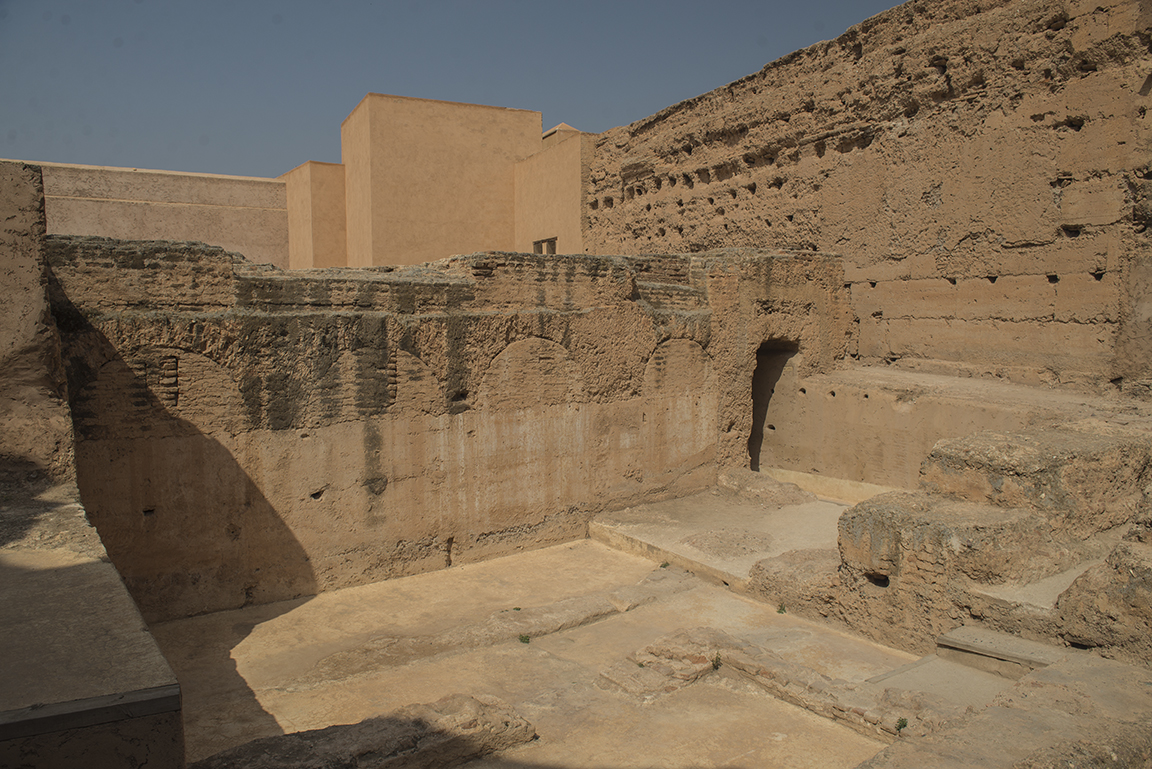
(253, 673)
(1081, 710)
(983, 642)
(718, 535)
(944, 678)
(789, 692)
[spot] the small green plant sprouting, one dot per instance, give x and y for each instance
(664, 565)
(716, 661)
(639, 664)
(525, 639)
(901, 724)
(515, 608)
(781, 609)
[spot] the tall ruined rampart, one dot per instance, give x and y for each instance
(980, 164)
(246, 434)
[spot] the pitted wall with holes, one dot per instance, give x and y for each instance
(981, 166)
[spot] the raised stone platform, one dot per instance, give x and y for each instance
(83, 677)
(721, 533)
(1083, 481)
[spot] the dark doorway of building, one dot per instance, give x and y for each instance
(771, 359)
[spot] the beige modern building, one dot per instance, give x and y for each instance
(239, 213)
(420, 180)
(424, 179)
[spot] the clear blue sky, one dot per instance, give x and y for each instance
(256, 88)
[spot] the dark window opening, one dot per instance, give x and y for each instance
(771, 359)
(546, 246)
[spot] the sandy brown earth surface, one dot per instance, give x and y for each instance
(351, 654)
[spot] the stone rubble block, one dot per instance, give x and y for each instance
(797, 578)
(1083, 483)
(643, 682)
(913, 536)
(448, 732)
(1110, 605)
(670, 663)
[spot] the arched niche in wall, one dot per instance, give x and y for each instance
(528, 374)
(157, 391)
(180, 517)
(342, 393)
(522, 457)
(680, 405)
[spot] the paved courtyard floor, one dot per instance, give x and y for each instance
(581, 607)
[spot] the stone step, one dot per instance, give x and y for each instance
(637, 543)
(81, 669)
(1000, 653)
(1082, 482)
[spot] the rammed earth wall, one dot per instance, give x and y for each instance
(980, 164)
(246, 434)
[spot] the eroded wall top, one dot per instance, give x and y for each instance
(35, 427)
(979, 164)
(246, 434)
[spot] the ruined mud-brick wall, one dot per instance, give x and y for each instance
(247, 435)
(35, 431)
(981, 165)
(72, 640)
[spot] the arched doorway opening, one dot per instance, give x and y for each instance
(771, 358)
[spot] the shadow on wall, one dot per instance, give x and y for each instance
(771, 358)
(186, 527)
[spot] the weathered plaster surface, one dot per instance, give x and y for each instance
(246, 434)
(980, 165)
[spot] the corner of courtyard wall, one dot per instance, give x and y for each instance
(62, 602)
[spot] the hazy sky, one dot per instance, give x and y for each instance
(256, 88)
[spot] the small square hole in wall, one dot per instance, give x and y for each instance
(546, 246)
